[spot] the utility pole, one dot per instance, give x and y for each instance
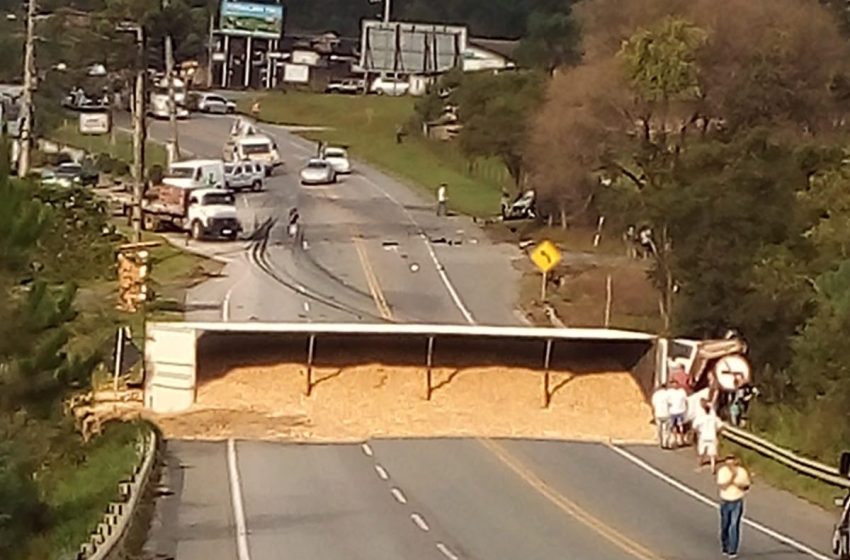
(25, 136)
(387, 7)
(210, 39)
(139, 136)
(169, 76)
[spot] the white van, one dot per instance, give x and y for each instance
(256, 148)
(245, 175)
(196, 174)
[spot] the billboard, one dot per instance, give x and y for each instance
(95, 123)
(411, 48)
(251, 19)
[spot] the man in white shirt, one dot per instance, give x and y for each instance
(661, 412)
(707, 424)
(442, 200)
(734, 482)
(677, 403)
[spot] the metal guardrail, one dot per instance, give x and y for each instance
(822, 472)
(119, 514)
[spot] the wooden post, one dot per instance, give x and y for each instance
(430, 363)
(609, 296)
(311, 347)
(547, 360)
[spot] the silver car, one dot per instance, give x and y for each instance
(212, 103)
(318, 172)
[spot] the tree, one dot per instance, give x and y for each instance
(551, 38)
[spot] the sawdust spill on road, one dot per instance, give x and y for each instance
(373, 400)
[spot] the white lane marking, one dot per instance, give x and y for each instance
(447, 552)
(367, 449)
(420, 522)
(225, 304)
(800, 547)
(306, 307)
(399, 496)
(440, 268)
(382, 472)
(238, 506)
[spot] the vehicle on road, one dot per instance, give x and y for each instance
(349, 86)
(257, 148)
(159, 102)
(204, 213)
(211, 103)
(245, 175)
(318, 172)
(389, 86)
(78, 173)
(196, 173)
(338, 158)
(49, 178)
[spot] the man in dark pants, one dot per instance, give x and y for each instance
(733, 481)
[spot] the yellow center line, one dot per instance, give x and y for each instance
(372, 279)
(567, 506)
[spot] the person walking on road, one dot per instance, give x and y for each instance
(707, 425)
(442, 200)
(661, 412)
(734, 482)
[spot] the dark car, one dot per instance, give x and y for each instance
(76, 173)
(350, 86)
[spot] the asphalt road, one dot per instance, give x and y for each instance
(417, 499)
(372, 250)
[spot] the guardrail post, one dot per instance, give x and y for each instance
(547, 359)
(429, 364)
(311, 348)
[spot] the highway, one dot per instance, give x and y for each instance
(418, 499)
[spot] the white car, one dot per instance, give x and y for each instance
(389, 86)
(338, 158)
(213, 103)
(245, 175)
(318, 172)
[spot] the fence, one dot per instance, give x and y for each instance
(825, 473)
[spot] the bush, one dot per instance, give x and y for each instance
(21, 511)
(105, 163)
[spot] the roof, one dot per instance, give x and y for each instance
(503, 47)
(588, 334)
(196, 162)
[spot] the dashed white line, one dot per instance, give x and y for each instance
(399, 496)
(238, 506)
(367, 449)
(419, 521)
(800, 547)
(447, 552)
(382, 472)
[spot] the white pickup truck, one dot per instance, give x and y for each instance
(245, 175)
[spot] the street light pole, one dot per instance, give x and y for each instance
(25, 140)
(387, 7)
(139, 136)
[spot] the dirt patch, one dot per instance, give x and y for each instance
(373, 400)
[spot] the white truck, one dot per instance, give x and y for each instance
(205, 213)
(256, 148)
(245, 175)
(159, 103)
(196, 173)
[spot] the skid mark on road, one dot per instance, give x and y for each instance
(624, 543)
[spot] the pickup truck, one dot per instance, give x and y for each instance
(204, 213)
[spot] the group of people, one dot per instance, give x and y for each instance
(640, 243)
(677, 410)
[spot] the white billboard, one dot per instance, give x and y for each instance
(95, 123)
(296, 73)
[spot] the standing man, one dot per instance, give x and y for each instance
(733, 481)
(677, 403)
(442, 200)
(255, 110)
(707, 425)
(661, 412)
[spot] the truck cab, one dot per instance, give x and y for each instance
(211, 213)
(255, 148)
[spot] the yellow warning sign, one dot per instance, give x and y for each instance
(546, 256)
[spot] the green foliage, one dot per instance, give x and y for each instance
(551, 37)
(21, 510)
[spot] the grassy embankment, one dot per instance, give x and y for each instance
(118, 144)
(367, 125)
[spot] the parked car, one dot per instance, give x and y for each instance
(50, 179)
(389, 86)
(77, 173)
(213, 103)
(338, 158)
(350, 86)
(318, 172)
(244, 175)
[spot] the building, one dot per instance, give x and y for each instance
(489, 54)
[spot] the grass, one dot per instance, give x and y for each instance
(118, 144)
(77, 493)
(367, 125)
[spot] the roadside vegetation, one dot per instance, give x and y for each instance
(118, 146)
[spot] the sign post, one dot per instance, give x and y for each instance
(546, 257)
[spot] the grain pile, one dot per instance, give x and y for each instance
(267, 401)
